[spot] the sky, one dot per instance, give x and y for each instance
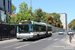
(50, 6)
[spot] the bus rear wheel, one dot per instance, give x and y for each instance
(24, 39)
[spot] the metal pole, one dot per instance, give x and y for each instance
(31, 9)
(72, 26)
(1, 30)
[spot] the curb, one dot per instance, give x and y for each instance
(8, 41)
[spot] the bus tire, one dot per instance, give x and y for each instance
(24, 39)
(38, 36)
(51, 34)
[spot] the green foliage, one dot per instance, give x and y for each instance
(13, 20)
(72, 24)
(59, 22)
(45, 19)
(53, 24)
(56, 17)
(13, 9)
(50, 18)
(23, 7)
(39, 15)
(7, 18)
(24, 13)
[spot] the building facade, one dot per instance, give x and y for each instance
(5, 8)
(63, 18)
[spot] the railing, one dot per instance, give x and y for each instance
(7, 31)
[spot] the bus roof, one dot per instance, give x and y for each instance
(32, 22)
(38, 23)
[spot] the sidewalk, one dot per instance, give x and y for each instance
(8, 41)
(72, 42)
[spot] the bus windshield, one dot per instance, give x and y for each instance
(24, 28)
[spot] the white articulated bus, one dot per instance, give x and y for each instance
(32, 30)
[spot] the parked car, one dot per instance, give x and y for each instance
(74, 31)
(61, 32)
(70, 32)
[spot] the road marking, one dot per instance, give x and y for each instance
(55, 39)
(49, 39)
(21, 46)
(62, 40)
(43, 39)
(52, 37)
(13, 45)
(39, 40)
(55, 36)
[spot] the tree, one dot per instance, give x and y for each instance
(56, 17)
(7, 18)
(24, 13)
(13, 20)
(61, 26)
(23, 7)
(45, 19)
(56, 24)
(50, 18)
(72, 24)
(44, 15)
(31, 13)
(38, 15)
(13, 9)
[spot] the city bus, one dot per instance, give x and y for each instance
(32, 30)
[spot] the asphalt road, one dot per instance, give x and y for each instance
(55, 42)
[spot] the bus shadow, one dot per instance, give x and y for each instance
(32, 40)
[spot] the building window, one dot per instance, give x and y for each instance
(0, 15)
(4, 3)
(8, 5)
(4, 17)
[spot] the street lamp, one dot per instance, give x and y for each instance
(31, 9)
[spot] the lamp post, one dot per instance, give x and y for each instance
(1, 26)
(72, 26)
(31, 9)
(1, 30)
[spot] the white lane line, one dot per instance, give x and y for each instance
(62, 39)
(55, 36)
(13, 45)
(55, 39)
(36, 41)
(21, 46)
(52, 37)
(49, 39)
(39, 41)
(43, 39)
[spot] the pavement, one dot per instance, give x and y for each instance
(55, 42)
(8, 41)
(72, 42)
